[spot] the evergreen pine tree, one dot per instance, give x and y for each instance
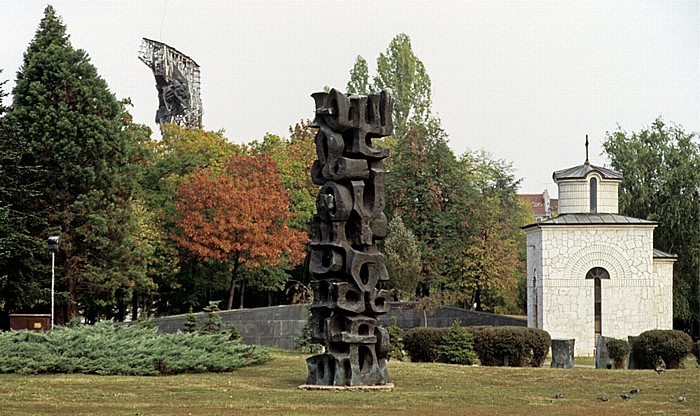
(212, 321)
(20, 251)
(191, 322)
(77, 133)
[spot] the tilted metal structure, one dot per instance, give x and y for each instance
(177, 82)
(345, 262)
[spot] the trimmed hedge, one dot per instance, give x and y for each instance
(106, 349)
(669, 345)
(494, 345)
(422, 344)
(618, 351)
(512, 346)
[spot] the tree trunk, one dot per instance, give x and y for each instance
(135, 307)
(242, 293)
(231, 292)
(269, 298)
(72, 307)
(477, 298)
(232, 289)
(121, 306)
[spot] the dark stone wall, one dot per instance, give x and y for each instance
(407, 317)
(274, 326)
(277, 326)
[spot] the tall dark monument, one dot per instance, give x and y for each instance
(345, 263)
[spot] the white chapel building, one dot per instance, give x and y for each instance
(591, 271)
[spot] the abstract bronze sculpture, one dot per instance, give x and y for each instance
(177, 82)
(345, 263)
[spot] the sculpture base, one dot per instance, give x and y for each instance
(381, 387)
(357, 367)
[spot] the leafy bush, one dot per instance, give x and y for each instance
(106, 349)
(305, 341)
(395, 342)
(457, 346)
(511, 346)
(422, 344)
(668, 345)
(618, 351)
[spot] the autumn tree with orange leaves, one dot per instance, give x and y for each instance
(238, 216)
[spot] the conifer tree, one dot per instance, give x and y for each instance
(77, 133)
(20, 252)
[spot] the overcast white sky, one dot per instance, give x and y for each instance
(525, 81)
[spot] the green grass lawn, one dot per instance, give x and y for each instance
(421, 389)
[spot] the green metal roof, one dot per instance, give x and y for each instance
(580, 172)
(658, 254)
(591, 219)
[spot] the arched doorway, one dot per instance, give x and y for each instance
(597, 274)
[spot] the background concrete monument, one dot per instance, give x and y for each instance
(177, 82)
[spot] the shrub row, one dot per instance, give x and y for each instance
(513, 346)
(669, 345)
(106, 349)
(422, 344)
(494, 346)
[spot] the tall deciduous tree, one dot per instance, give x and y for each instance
(74, 131)
(182, 282)
(403, 260)
(399, 70)
(359, 78)
(238, 217)
(494, 259)
(464, 213)
(294, 158)
(426, 189)
(661, 182)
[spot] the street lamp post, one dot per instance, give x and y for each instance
(53, 247)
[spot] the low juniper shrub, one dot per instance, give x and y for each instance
(107, 349)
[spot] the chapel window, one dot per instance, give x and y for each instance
(594, 195)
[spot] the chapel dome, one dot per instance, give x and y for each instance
(582, 171)
(587, 189)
